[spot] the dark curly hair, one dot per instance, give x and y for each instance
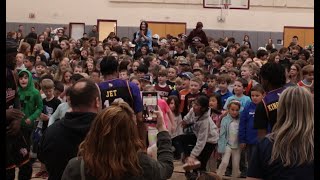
(274, 73)
(109, 65)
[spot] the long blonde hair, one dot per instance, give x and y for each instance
(59, 74)
(110, 149)
(293, 133)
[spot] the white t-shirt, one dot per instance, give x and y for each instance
(233, 134)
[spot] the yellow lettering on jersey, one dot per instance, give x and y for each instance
(273, 106)
(111, 93)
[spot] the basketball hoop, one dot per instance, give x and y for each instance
(224, 7)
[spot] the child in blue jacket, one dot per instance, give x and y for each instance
(228, 143)
(248, 135)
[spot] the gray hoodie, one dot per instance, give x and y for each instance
(204, 129)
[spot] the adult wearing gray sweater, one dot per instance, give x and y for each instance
(205, 134)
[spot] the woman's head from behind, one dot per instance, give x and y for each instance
(24, 48)
(57, 54)
(112, 143)
(293, 133)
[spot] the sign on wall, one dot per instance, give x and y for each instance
(76, 30)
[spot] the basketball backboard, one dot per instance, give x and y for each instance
(233, 4)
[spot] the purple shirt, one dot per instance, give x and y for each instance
(117, 88)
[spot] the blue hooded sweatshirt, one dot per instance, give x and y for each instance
(247, 133)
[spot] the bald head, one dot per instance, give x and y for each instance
(84, 94)
(79, 85)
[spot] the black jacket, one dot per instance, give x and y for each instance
(11, 45)
(195, 36)
(152, 169)
(61, 140)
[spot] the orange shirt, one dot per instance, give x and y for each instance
(182, 95)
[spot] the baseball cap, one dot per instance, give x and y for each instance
(197, 69)
(131, 45)
(262, 48)
(156, 36)
(146, 77)
(187, 75)
(163, 41)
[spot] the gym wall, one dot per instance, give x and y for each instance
(264, 19)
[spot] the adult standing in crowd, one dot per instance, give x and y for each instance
(246, 41)
(33, 31)
(273, 80)
(61, 140)
(114, 88)
(270, 43)
(20, 30)
(15, 146)
(295, 42)
(196, 38)
(288, 152)
(143, 36)
(11, 41)
(113, 150)
(94, 32)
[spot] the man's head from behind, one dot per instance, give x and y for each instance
(272, 76)
(109, 65)
(85, 88)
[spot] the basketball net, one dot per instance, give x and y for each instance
(225, 8)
